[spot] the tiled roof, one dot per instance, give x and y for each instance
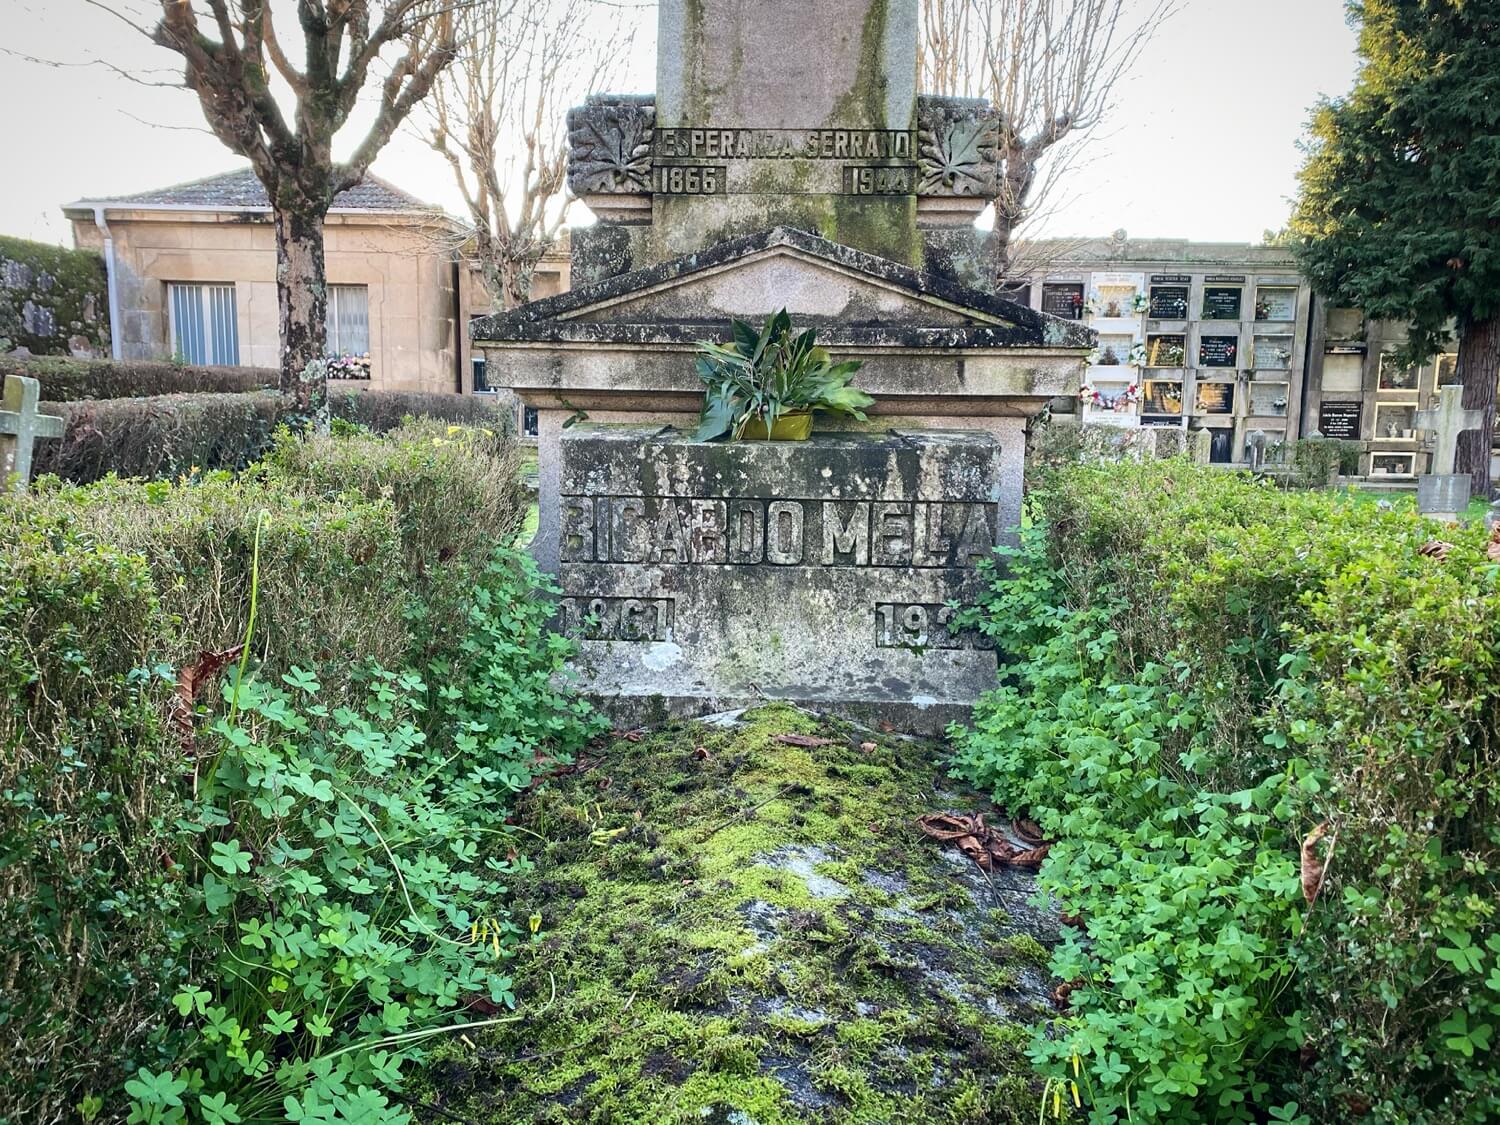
(240, 190)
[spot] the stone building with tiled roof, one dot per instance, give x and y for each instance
(192, 274)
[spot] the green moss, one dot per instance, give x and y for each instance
(69, 284)
(717, 947)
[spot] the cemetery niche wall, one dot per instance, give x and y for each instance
(758, 178)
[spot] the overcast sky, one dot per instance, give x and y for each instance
(1201, 142)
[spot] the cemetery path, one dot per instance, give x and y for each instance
(750, 929)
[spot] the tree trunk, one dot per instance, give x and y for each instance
(1478, 370)
(302, 299)
(1010, 209)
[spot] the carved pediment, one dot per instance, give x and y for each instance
(852, 297)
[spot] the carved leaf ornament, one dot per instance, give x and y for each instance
(610, 150)
(957, 157)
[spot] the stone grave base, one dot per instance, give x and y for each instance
(705, 577)
(1444, 494)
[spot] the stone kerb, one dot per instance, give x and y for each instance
(700, 577)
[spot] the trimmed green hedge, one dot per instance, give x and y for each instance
(369, 549)
(65, 379)
(1207, 669)
(167, 436)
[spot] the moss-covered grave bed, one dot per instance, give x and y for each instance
(740, 929)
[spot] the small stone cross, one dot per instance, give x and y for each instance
(1447, 420)
(20, 426)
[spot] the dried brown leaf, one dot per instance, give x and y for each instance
(1314, 870)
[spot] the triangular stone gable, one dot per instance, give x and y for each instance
(821, 283)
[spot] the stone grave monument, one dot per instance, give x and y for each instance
(785, 161)
(1441, 492)
(21, 425)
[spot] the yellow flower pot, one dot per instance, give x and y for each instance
(794, 425)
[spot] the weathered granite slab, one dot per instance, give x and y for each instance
(699, 577)
(1444, 494)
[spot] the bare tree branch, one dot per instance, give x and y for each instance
(498, 118)
(1049, 67)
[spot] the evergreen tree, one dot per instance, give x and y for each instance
(1400, 202)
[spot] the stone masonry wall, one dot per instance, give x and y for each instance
(52, 301)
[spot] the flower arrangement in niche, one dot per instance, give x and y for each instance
(768, 384)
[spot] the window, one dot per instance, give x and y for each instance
(205, 330)
(481, 379)
(530, 421)
(348, 320)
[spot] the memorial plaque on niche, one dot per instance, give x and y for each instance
(1221, 302)
(1340, 420)
(821, 571)
(1276, 304)
(1395, 423)
(1168, 302)
(1446, 370)
(1214, 398)
(1218, 351)
(1160, 396)
(1392, 464)
(1395, 375)
(1064, 300)
(1166, 351)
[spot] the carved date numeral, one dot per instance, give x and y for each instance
(922, 626)
(875, 179)
(687, 179)
(618, 619)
